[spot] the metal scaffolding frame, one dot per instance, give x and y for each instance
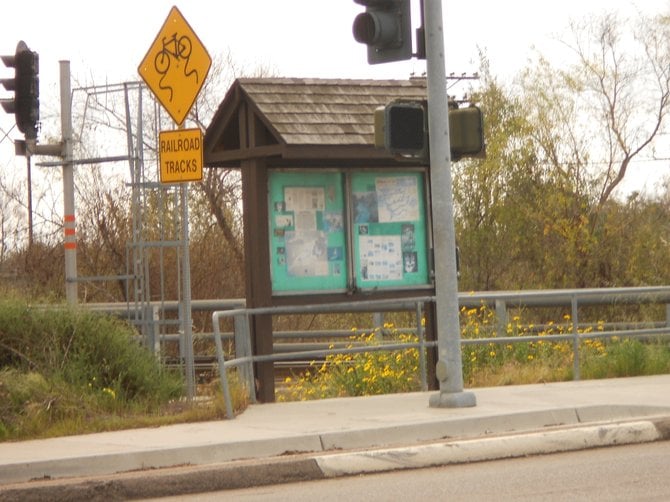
(145, 308)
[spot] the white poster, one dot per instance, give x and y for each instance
(380, 257)
(306, 253)
(397, 199)
(304, 198)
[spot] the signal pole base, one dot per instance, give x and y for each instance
(453, 400)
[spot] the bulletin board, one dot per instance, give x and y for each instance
(344, 230)
(389, 229)
(307, 231)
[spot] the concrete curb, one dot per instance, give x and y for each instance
(166, 482)
(493, 448)
(243, 474)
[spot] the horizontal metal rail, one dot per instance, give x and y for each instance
(501, 301)
(169, 305)
(564, 297)
(490, 299)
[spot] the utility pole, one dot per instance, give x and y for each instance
(29, 182)
(449, 369)
(70, 237)
(64, 151)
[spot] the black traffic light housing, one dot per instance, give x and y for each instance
(25, 84)
(386, 28)
(401, 127)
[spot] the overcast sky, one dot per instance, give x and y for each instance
(300, 38)
(105, 41)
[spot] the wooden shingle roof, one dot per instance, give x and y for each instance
(300, 118)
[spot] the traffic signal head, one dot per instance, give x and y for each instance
(386, 28)
(25, 84)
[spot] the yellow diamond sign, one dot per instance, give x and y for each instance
(176, 66)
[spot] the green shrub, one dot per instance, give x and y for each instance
(63, 369)
(85, 349)
(623, 358)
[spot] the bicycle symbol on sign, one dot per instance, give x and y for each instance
(179, 49)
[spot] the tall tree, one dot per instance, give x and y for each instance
(591, 118)
(493, 195)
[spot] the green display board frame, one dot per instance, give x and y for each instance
(307, 231)
(342, 230)
(390, 231)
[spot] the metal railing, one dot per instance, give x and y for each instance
(501, 301)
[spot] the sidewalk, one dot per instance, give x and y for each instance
(291, 435)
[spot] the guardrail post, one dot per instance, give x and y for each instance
(243, 349)
(143, 323)
(502, 317)
(575, 338)
(378, 324)
(667, 314)
(182, 351)
(150, 328)
(422, 346)
(223, 376)
(155, 329)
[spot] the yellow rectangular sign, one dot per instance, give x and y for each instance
(180, 155)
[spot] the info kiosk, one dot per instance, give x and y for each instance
(328, 217)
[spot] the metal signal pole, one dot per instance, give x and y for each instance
(449, 369)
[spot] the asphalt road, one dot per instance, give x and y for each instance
(635, 472)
